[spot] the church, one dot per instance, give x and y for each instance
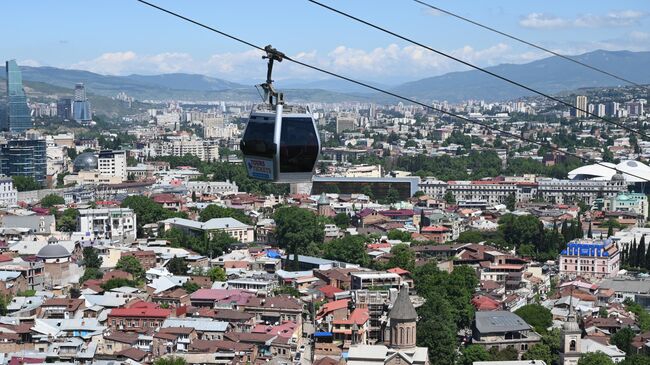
(401, 349)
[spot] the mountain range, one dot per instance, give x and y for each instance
(550, 75)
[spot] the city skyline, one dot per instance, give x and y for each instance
(130, 47)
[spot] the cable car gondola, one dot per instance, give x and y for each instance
(281, 142)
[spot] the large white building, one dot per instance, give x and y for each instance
(112, 163)
(212, 187)
(117, 224)
(564, 191)
(8, 195)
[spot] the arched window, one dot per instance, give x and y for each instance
(401, 335)
(572, 345)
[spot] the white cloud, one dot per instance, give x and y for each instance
(623, 18)
(29, 62)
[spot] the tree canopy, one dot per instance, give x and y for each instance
(296, 229)
(25, 183)
(595, 358)
(131, 265)
(537, 316)
(51, 200)
(350, 249)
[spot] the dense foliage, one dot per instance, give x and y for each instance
(297, 229)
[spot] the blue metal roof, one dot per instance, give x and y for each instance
(323, 334)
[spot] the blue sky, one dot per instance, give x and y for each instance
(123, 36)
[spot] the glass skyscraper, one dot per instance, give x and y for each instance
(24, 157)
(81, 106)
(18, 114)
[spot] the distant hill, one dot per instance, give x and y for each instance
(176, 86)
(549, 75)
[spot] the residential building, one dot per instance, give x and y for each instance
(587, 191)
(491, 192)
(136, 318)
(18, 114)
(590, 258)
(108, 223)
(581, 103)
(8, 194)
(502, 329)
(112, 163)
(374, 279)
(345, 123)
(236, 229)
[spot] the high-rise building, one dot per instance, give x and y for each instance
(601, 110)
(112, 163)
(18, 114)
(64, 108)
(345, 123)
(581, 105)
(81, 106)
(611, 108)
(24, 157)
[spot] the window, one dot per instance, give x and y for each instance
(298, 145)
(572, 345)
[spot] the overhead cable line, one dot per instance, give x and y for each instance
(395, 95)
(594, 68)
(478, 68)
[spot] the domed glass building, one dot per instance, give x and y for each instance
(85, 162)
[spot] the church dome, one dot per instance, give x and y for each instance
(53, 251)
(85, 162)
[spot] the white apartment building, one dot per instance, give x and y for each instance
(205, 150)
(487, 191)
(109, 223)
(8, 195)
(433, 187)
(112, 163)
(563, 191)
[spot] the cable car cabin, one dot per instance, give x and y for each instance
(281, 143)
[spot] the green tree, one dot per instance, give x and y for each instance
(507, 354)
(67, 222)
(287, 290)
(131, 265)
(537, 316)
(170, 360)
(367, 191)
(117, 283)
(25, 183)
(296, 229)
(511, 202)
(610, 231)
(216, 211)
(623, 340)
(589, 233)
(342, 220)
(402, 256)
(191, 286)
(392, 196)
(177, 266)
(51, 200)
(595, 358)
(539, 351)
(473, 353)
(217, 274)
(90, 273)
(91, 258)
(449, 198)
(194, 196)
(436, 330)
(147, 210)
(350, 249)
(396, 234)
(636, 360)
